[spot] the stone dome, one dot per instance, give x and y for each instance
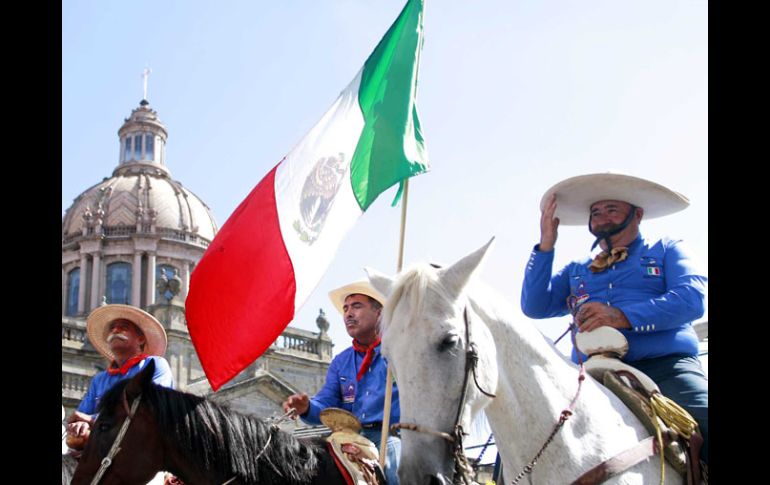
(140, 200)
(140, 197)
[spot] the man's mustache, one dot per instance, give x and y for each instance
(116, 335)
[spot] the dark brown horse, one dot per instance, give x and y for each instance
(199, 441)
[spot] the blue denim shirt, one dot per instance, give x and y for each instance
(364, 398)
(657, 287)
(102, 382)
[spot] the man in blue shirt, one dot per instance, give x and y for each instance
(650, 290)
(128, 338)
(356, 378)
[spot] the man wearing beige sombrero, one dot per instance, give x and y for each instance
(650, 290)
(356, 377)
(129, 338)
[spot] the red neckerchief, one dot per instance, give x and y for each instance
(123, 370)
(367, 358)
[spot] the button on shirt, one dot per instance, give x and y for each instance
(657, 287)
(102, 382)
(364, 398)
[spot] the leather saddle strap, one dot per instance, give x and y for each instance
(620, 462)
(694, 445)
(635, 383)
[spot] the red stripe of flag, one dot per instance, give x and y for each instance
(229, 314)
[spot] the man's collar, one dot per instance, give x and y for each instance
(636, 242)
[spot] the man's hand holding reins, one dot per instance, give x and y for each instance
(594, 315)
(300, 402)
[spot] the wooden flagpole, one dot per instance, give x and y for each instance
(389, 379)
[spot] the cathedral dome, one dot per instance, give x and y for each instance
(140, 200)
(140, 197)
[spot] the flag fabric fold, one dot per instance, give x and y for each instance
(275, 247)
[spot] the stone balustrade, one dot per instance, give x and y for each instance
(73, 332)
(74, 382)
(296, 340)
(144, 229)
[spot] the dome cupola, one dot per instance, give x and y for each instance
(142, 141)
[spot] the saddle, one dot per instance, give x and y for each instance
(605, 346)
(355, 456)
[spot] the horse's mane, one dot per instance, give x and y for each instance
(420, 283)
(416, 281)
(218, 438)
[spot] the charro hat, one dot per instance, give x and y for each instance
(362, 287)
(575, 195)
(99, 321)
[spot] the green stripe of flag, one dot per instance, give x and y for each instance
(391, 148)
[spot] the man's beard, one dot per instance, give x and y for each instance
(605, 230)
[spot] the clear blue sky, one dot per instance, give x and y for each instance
(513, 96)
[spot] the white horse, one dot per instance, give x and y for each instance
(424, 339)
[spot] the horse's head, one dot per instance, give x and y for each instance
(140, 454)
(429, 331)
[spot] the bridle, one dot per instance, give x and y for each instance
(463, 470)
(107, 460)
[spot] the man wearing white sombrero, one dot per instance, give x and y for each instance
(650, 290)
(129, 338)
(356, 378)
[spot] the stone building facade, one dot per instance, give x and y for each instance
(135, 238)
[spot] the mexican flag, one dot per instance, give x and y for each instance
(272, 251)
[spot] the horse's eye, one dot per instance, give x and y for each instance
(104, 426)
(449, 342)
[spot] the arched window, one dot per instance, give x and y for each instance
(169, 271)
(119, 283)
(149, 147)
(73, 288)
(127, 149)
(138, 147)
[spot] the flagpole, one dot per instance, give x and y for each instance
(389, 378)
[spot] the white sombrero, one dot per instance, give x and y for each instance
(100, 319)
(575, 195)
(362, 287)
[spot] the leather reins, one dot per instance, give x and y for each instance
(107, 460)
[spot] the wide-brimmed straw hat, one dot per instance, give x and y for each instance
(100, 319)
(362, 287)
(575, 195)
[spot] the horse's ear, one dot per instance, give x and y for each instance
(455, 277)
(381, 282)
(141, 380)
